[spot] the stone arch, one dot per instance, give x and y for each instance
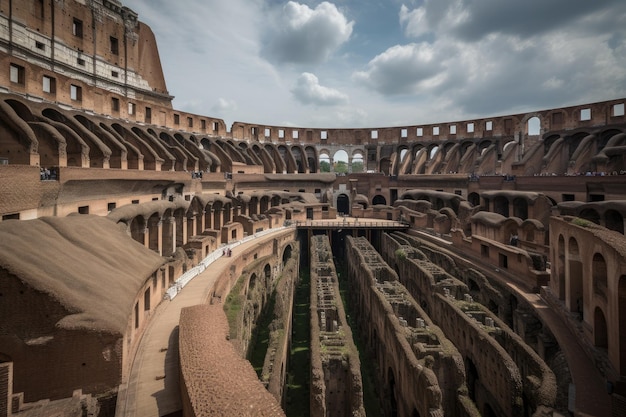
(138, 229)
(251, 285)
(343, 203)
(300, 161)
(600, 329)
(267, 274)
(590, 214)
(533, 126)
(520, 208)
(474, 199)
(614, 220)
(312, 159)
(548, 142)
(379, 200)
(287, 251)
(358, 159)
(325, 160)
(432, 151)
(599, 276)
(501, 206)
(340, 161)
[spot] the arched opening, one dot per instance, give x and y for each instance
(267, 272)
(599, 274)
(286, 254)
(340, 162)
(613, 220)
(501, 206)
(343, 204)
(379, 200)
(251, 285)
(474, 199)
(138, 229)
(357, 163)
(533, 126)
(520, 208)
(153, 231)
(324, 162)
(600, 332)
(591, 215)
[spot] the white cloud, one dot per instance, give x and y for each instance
(224, 106)
(309, 91)
(303, 35)
(401, 69)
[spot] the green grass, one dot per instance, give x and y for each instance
(261, 338)
(299, 367)
(232, 307)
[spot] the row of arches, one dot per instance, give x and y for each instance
(51, 136)
(164, 226)
(593, 290)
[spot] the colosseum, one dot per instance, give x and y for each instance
(154, 262)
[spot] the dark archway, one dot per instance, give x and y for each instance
(501, 206)
(474, 199)
(286, 254)
(600, 329)
(343, 204)
(379, 199)
(613, 220)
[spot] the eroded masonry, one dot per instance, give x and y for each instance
(155, 262)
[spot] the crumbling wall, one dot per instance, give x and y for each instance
(405, 353)
(336, 385)
(504, 374)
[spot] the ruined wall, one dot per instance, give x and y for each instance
(402, 349)
(267, 280)
(51, 362)
(336, 386)
(504, 374)
(215, 379)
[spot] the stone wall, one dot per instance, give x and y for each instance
(504, 375)
(336, 387)
(408, 354)
(215, 384)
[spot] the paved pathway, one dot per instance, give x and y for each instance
(153, 388)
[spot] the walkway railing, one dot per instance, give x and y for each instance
(185, 278)
(389, 224)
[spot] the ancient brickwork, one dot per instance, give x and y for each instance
(336, 386)
(504, 374)
(217, 385)
(409, 355)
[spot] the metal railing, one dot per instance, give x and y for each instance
(185, 278)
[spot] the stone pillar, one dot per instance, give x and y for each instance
(332, 164)
(349, 165)
(146, 237)
(160, 237)
(203, 221)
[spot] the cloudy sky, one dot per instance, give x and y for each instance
(377, 63)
